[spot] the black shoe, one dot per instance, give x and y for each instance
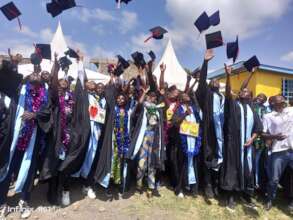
(109, 193)
(209, 192)
(248, 202)
(268, 205)
(155, 193)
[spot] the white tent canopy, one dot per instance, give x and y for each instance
(174, 74)
(59, 46)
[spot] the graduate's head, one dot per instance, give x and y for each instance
(91, 86)
(166, 86)
(35, 78)
(261, 98)
(173, 93)
(184, 98)
(63, 84)
(100, 88)
(152, 97)
(278, 103)
(45, 75)
(121, 100)
(245, 94)
(214, 85)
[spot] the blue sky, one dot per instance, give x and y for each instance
(100, 30)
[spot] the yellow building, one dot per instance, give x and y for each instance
(270, 80)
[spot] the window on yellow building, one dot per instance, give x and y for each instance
(287, 88)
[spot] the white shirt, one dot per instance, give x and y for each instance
(280, 123)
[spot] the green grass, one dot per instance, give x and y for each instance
(168, 206)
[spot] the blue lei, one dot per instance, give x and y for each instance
(183, 138)
(121, 132)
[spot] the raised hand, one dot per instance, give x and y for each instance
(209, 55)
(228, 69)
(163, 67)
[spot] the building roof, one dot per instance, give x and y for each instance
(238, 67)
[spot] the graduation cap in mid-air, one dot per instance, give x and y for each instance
(233, 50)
(11, 12)
(120, 1)
(119, 70)
(152, 55)
(56, 7)
(64, 62)
(157, 33)
(138, 59)
(123, 62)
(44, 51)
(203, 22)
(71, 53)
(214, 40)
(251, 63)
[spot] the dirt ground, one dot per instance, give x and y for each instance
(136, 206)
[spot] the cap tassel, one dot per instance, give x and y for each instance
(150, 37)
(19, 23)
(119, 4)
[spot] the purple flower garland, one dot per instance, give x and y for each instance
(66, 104)
(35, 98)
(121, 131)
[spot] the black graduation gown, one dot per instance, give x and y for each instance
(205, 97)
(79, 134)
(136, 123)
(105, 158)
(7, 117)
(231, 176)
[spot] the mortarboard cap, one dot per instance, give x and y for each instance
(138, 59)
(119, 70)
(11, 12)
(123, 62)
(157, 33)
(152, 55)
(119, 2)
(251, 63)
(64, 62)
(44, 50)
(214, 19)
(202, 23)
(56, 7)
(214, 40)
(233, 50)
(71, 53)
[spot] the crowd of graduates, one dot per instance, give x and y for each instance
(141, 133)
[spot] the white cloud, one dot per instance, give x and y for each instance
(288, 57)
(86, 15)
(25, 30)
(125, 22)
(238, 17)
(46, 34)
(128, 21)
(102, 53)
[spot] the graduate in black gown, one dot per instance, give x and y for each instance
(211, 102)
(112, 163)
(59, 114)
(241, 127)
(28, 139)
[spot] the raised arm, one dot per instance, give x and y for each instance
(54, 74)
(202, 87)
(152, 83)
(162, 75)
(187, 85)
(228, 71)
(246, 81)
